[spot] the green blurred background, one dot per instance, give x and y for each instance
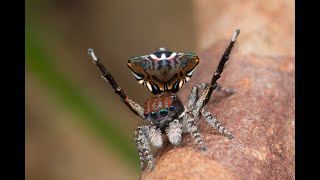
(76, 126)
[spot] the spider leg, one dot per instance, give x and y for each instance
(141, 138)
(193, 129)
(225, 91)
(135, 107)
(224, 58)
(215, 123)
(194, 95)
(141, 156)
(204, 98)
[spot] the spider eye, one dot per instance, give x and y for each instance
(171, 108)
(153, 115)
(163, 112)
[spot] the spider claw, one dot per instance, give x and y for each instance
(203, 148)
(143, 167)
(229, 135)
(90, 50)
(232, 91)
(235, 35)
(92, 55)
(151, 167)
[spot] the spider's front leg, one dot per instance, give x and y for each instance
(205, 97)
(196, 103)
(135, 107)
(143, 133)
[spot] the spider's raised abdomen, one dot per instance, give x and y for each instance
(162, 108)
(163, 71)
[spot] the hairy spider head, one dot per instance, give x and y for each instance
(163, 71)
(162, 109)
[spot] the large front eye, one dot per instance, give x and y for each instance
(154, 115)
(163, 112)
(171, 108)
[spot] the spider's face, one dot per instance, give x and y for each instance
(163, 71)
(163, 108)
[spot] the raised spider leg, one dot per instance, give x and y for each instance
(215, 123)
(196, 103)
(135, 107)
(225, 58)
(141, 138)
(204, 98)
(141, 133)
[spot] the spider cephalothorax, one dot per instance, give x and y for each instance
(164, 73)
(162, 108)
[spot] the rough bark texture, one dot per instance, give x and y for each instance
(261, 112)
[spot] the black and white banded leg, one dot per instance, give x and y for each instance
(194, 95)
(215, 123)
(143, 146)
(135, 107)
(225, 91)
(140, 153)
(205, 97)
(193, 129)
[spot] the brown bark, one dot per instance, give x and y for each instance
(261, 112)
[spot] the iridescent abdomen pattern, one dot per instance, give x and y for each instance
(163, 71)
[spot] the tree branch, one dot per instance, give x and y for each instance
(261, 112)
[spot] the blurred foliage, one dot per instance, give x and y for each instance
(58, 34)
(42, 65)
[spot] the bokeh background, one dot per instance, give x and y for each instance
(76, 126)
